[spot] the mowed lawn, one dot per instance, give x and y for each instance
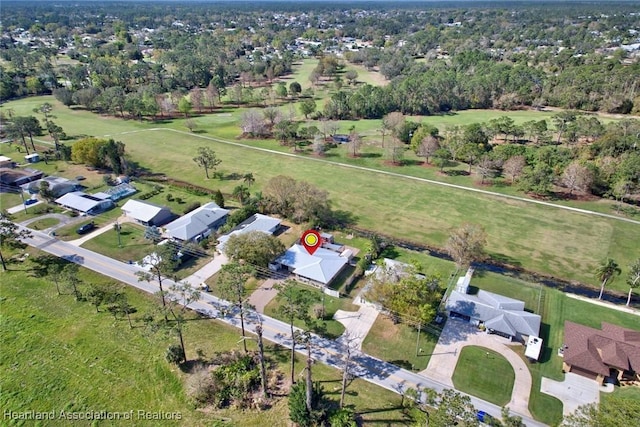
(59, 354)
(545, 239)
(541, 238)
(484, 373)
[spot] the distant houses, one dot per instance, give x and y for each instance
(147, 213)
(611, 352)
(197, 224)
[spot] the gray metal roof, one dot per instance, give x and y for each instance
(498, 312)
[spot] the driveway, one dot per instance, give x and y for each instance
(200, 276)
(264, 294)
(574, 391)
(457, 334)
(356, 324)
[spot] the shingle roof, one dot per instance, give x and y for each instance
(498, 312)
(596, 350)
(320, 267)
(196, 222)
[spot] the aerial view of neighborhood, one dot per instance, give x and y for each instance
(319, 213)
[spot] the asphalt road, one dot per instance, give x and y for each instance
(327, 351)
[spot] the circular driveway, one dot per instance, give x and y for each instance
(457, 334)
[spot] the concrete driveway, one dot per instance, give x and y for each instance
(457, 334)
(574, 391)
(264, 294)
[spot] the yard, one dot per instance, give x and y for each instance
(58, 354)
(484, 373)
(332, 328)
(555, 308)
(397, 344)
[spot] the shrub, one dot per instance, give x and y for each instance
(169, 197)
(175, 354)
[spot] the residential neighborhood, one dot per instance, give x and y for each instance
(386, 214)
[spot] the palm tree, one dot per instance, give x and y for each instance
(241, 193)
(605, 271)
(248, 179)
(634, 278)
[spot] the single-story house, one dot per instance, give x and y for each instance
(59, 186)
(85, 203)
(613, 351)
(18, 177)
(147, 213)
(499, 314)
(318, 269)
(257, 222)
(197, 224)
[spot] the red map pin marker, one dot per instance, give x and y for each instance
(311, 241)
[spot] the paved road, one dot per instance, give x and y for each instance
(327, 351)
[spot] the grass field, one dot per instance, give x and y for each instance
(484, 373)
(544, 239)
(59, 354)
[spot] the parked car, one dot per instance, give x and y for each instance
(86, 228)
(30, 201)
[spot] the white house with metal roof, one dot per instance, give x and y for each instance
(85, 203)
(147, 213)
(257, 222)
(197, 224)
(320, 268)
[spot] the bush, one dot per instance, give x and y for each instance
(191, 207)
(169, 197)
(175, 354)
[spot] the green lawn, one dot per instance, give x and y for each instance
(43, 224)
(397, 343)
(484, 373)
(333, 328)
(545, 239)
(133, 245)
(59, 354)
(555, 308)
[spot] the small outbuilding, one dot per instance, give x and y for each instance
(32, 158)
